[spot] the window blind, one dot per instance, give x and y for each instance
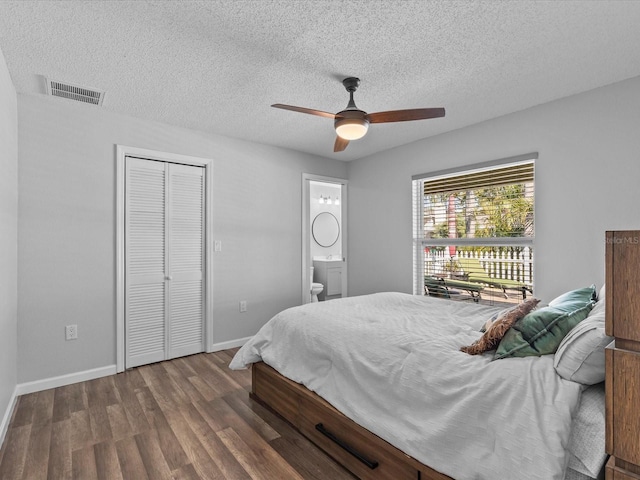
(491, 201)
(513, 174)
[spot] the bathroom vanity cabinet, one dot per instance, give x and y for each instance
(329, 274)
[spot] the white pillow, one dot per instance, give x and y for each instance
(580, 356)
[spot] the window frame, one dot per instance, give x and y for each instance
(419, 241)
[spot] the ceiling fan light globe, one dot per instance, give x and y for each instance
(351, 128)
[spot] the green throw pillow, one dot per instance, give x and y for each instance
(541, 331)
(585, 295)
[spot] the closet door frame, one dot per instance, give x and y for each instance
(123, 151)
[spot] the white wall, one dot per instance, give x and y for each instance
(8, 241)
(587, 181)
(67, 229)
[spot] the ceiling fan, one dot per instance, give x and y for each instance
(353, 123)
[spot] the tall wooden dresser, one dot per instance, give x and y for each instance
(622, 277)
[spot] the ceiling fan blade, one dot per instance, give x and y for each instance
(340, 144)
(405, 115)
(310, 111)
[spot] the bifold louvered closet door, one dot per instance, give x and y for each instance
(164, 261)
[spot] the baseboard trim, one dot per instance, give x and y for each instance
(62, 380)
(216, 347)
(4, 426)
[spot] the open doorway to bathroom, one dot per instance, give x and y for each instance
(324, 237)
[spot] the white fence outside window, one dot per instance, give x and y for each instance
(506, 263)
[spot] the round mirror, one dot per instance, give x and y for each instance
(325, 229)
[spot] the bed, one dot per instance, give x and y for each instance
(379, 382)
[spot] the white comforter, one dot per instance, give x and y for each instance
(391, 362)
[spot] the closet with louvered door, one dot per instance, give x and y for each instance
(164, 261)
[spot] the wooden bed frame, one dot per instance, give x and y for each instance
(361, 452)
(370, 458)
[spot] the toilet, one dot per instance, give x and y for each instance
(316, 288)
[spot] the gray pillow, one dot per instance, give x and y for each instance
(580, 355)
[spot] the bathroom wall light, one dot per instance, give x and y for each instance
(328, 200)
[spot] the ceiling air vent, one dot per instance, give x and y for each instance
(75, 92)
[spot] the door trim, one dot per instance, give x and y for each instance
(123, 151)
(306, 230)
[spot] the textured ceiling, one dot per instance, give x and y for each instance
(217, 66)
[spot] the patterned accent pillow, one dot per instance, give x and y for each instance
(498, 328)
(493, 318)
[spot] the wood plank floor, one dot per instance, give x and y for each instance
(184, 419)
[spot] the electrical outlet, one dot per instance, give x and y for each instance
(71, 332)
(243, 306)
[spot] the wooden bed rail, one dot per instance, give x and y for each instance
(345, 441)
(372, 464)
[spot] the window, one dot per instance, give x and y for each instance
(474, 231)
